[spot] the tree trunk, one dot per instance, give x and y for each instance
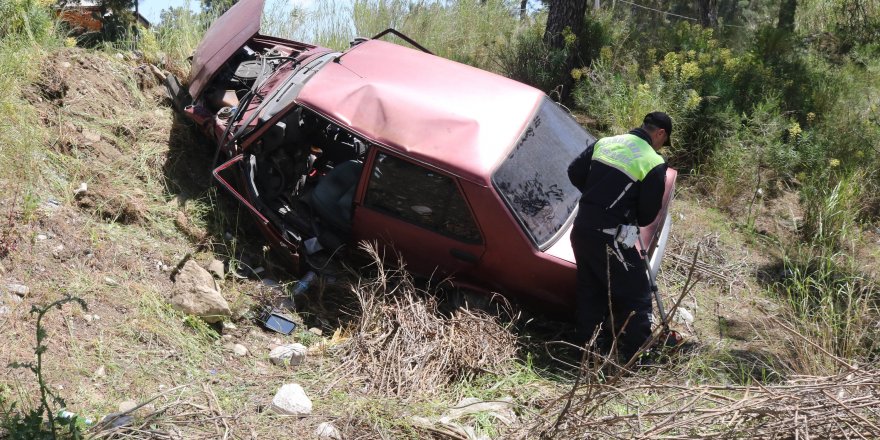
(522, 9)
(564, 14)
(786, 15)
(708, 12)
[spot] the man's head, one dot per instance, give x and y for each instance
(659, 127)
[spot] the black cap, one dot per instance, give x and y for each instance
(660, 120)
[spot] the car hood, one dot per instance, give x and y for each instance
(225, 37)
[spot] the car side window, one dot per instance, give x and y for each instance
(420, 196)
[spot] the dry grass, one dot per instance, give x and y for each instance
(403, 346)
(841, 406)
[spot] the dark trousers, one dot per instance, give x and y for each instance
(597, 259)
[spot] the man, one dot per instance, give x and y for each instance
(622, 181)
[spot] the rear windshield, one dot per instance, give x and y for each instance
(533, 180)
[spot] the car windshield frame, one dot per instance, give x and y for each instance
(533, 178)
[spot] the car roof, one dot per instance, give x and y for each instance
(447, 114)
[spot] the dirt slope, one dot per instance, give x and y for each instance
(148, 205)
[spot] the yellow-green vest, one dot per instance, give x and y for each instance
(628, 153)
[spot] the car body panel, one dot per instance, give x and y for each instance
(227, 35)
(456, 116)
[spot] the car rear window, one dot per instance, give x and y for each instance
(533, 180)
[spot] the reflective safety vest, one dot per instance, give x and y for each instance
(628, 153)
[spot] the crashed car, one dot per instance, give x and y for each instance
(459, 170)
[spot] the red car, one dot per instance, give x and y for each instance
(461, 170)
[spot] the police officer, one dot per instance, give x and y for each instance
(622, 181)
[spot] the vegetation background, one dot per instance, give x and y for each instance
(777, 140)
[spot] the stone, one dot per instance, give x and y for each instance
(215, 267)
(196, 292)
(683, 316)
(326, 431)
(239, 350)
(88, 318)
(91, 136)
(501, 409)
(290, 354)
(41, 237)
(316, 331)
(110, 281)
(127, 405)
(18, 289)
(82, 189)
(292, 400)
(65, 65)
(10, 299)
(100, 372)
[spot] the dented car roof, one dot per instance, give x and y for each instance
(438, 111)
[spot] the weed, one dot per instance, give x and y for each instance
(31, 425)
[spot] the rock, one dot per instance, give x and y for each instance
(292, 400)
(228, 326)
(196, 292)
(127, 406)
(18, 289)
(316, 331)
(41, 237)
(110, 281)
(215, 267)
(10, 299)
(326, 431)
(65, 65)
(683, 316)
(88, 318)
(91, 136)
(239, 350)
(4, 310)
(82, 189)
(100, 372)
(501, 409)
(291, 354)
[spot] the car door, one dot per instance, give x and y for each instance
(419, 211)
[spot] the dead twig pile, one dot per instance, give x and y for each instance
(842, 406)
(404, 347)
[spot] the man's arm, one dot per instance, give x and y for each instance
(579, 169)
(651, 194)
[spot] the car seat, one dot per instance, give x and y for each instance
(333, 195)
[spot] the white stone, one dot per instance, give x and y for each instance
(316, 331)
(41, 237)
(216, 268)
(292, 400)
(290, 354)
(110, 281)
(83, 187)
(88, 318)
(100, 372)
(127, 406)
(18, 289)
(326, 431)
(239, 350)
(683, 316)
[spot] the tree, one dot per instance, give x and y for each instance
(786, 15)
(562, 15)
(217, 6)
(565, 21)
(708, 10)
